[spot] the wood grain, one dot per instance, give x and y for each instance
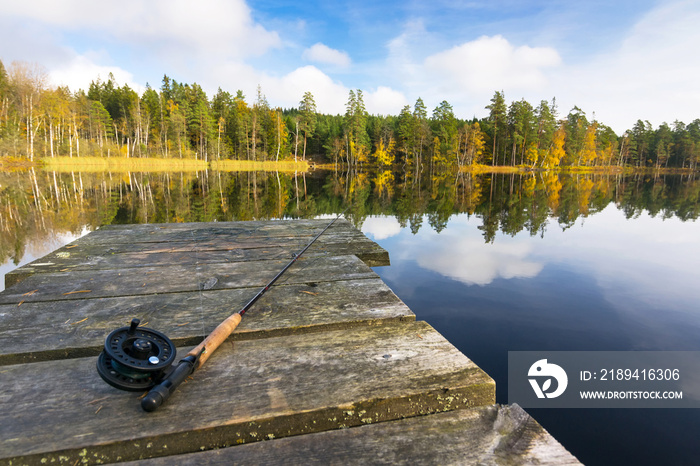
(488, 435)
(249, 391)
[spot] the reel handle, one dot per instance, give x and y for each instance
(163, 390)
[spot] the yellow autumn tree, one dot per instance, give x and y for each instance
(478, 142)
(589, 154)
(529, 186)
(556, 152)
(384, 154)
(473, 145)
(468, 192)
(585, 188)
(606, 154)
(358, 182)
(437, 153)
(552, 186)
(384, 184)
(359, 151)
(532, 154)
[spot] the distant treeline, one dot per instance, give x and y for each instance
(180, 121)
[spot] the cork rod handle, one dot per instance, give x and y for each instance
(215, 338)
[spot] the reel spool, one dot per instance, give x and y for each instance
(135, 358)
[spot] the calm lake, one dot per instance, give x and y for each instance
(496, 263)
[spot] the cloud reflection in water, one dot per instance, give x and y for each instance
(459, 252)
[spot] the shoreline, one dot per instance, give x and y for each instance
(153, 164)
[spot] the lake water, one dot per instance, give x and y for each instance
(495, 263)
(606, 283)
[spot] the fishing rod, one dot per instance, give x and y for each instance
(138, 358)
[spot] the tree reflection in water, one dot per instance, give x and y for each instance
(36, 207)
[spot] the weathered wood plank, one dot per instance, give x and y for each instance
(165, 232)
(96, 257)
(82, 284)
(249, 391)
(488, 435)
(71, 329)
(149, 245)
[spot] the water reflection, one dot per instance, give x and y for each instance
(458, 251)
(634, 269)
(381, 227)
(34, 250)
(36, 206)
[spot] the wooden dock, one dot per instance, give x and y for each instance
(329, 367)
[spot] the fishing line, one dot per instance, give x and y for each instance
(200, 285)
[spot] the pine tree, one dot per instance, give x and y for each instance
(445, 129)
(420, 113)
(588, 153)
(521, 120)
(576, 125)
(4, 99)
(497, 117)
(356, 128)
(307, 122)
(406, 132)
(546, 125)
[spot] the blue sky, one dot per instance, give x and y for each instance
(622, 60)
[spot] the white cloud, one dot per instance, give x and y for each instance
(190, 41)
(467, 74)
(330, 96)
(385, 101)
(217, 28)
(404, 60)
(81, 71)
(652, 74)
(284, 91)
(492, 63)
(223, 28)
(321, 53)
(609, 247)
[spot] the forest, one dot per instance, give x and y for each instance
(180, 121)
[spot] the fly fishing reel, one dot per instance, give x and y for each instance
(135, 358)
